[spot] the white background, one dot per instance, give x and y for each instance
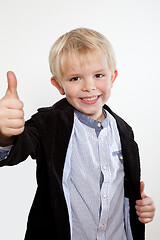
(28, 30)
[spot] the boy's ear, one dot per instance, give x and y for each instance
(114, 76)
(57, 85)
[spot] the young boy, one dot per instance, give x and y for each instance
(88, 170)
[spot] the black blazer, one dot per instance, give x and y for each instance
(45, 138)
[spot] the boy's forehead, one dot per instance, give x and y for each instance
(75, 60)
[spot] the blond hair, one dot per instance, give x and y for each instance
(81, 41)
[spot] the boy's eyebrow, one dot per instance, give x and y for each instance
(101, 70)
(73, 74)
(77, 73)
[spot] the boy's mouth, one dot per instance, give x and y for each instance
(90, 100)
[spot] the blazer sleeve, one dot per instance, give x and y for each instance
(25, 144)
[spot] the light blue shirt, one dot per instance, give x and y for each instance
(93, 181)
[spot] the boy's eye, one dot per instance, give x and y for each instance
(99, 75)
(75, 79)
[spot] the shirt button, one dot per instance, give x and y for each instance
(121, 157)
(101, 226)
(104, 167)
(101, 138)
(104, 196)
(99, 124)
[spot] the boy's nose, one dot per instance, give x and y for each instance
(89, 85)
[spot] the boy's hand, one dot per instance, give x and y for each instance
(145, 207)
(11, 112)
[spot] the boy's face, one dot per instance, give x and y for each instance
(87, 86)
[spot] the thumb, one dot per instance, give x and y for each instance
(142, 185)
(12, 85)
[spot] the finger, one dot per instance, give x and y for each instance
(142, 185)
(15, 123)
(12, 85)
(13, 131)
(145, 220)
(15, 114)
(145, 214)
(14, 103)
(147, 208)
(144, 201)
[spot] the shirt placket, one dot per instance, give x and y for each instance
(104, 193)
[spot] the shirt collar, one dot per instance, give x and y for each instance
(91, 122)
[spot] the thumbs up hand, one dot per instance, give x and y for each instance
(11, 113)
(145, 208)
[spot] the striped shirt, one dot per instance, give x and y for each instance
(93, 185)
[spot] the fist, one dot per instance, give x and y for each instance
(145, 207)
(11, 110)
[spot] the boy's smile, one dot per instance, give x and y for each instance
(90, 100)
(87, 85)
